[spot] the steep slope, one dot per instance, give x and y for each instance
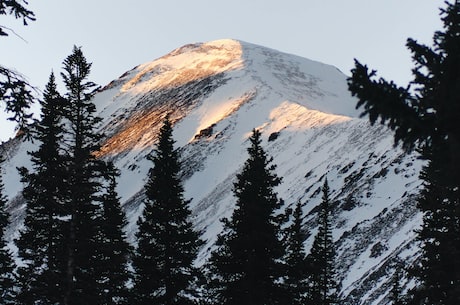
(216, 93)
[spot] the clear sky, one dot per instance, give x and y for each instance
(117, 35)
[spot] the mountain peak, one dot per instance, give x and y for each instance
(210, 81)
(215, 93)
(222, 44)
(312, 84)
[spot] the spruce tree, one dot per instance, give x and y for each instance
(246, 266)
(114, 252)
(40, 244)
(297, 269)
(167, 243)
(426, 119)
(7, 278)
(323, 277)
(83, 185)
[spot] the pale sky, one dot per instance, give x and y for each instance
(118, 35)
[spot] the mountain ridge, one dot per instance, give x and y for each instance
(215, 93)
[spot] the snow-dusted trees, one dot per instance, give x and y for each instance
(246, 266)
(426, 118)
(167, 243)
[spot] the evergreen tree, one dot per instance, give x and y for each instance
(426, 119)
(18, 10)
(17, 95)
(84, 184)
(297, 270)
(7, 279)
(15, 91)
(245, 268)
(167, 244)
(40, 244)
(115, 250)
(324, 286)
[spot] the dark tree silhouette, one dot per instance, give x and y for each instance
(167, 243)
(15, 91)
(297, 269)
(7, 278)
(18, 9)
(324, 287)
(40, 244)
(245, 268)
(114, 252)
(84, 183)
(426, 119)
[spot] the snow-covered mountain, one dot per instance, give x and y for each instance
(215, 94)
